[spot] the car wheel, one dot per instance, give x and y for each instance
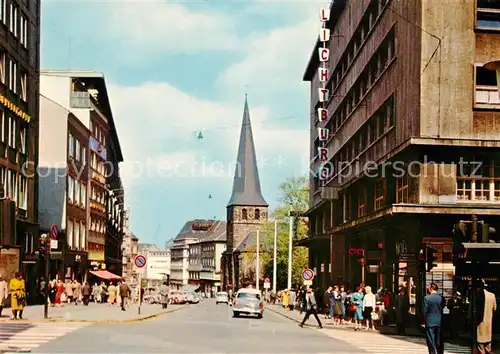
(259, 316)
(236, 314)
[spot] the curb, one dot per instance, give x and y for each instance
(283, 315)
(126, 321)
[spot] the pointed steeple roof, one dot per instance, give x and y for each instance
(246, 185)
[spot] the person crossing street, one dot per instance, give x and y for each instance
(312, 308)
(124, 291)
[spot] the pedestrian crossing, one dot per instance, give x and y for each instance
(19, 336)
(376, 343)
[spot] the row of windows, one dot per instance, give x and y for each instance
(97, 225)
(98, 164)
(479, 182)
(380, 60)
(76, 234)
(194, 275)
(77, 192)
(15, 187)
(9, 76)
(244, 214)
(367, 23)
(17, 22)
(98, 195)
(98, 133)
(13, 132)
(77, 150)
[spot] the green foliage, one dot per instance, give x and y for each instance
(294, 196)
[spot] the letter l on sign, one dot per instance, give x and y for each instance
(324, 15)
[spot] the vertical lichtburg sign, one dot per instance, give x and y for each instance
(323, 94)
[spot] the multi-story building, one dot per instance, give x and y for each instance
(412, 137)
(19, 100)
(130, 249)
(84, 94)
(211, 249)
(63, 181)
(194, 265)
(247, 208)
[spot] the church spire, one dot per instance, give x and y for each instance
(246, 185)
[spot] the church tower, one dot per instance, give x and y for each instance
(247, 208)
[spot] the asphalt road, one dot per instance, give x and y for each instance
(202, 328)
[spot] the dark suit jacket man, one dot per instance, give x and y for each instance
(433, 312)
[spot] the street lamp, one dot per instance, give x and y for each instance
(44, 253)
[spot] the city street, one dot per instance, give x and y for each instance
(202, 328)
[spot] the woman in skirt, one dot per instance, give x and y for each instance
(357, 300)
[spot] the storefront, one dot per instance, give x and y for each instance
(75, 265)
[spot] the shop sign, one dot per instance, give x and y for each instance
(97, 147)
(15, 109)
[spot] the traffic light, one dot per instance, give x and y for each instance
(421, 261)
(485, 233)
(459, 237)
(43, 246)
(430, 258)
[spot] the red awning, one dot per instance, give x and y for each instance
(104, 274)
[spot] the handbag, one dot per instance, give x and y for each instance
(353, 308)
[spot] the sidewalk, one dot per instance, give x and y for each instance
(95, 313)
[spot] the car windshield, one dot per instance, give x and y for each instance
(248, 296)
(221, 294)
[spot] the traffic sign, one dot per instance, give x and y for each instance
(267, 280)
(54, 232)
(267, 283)
(140, 261)
(308, 274)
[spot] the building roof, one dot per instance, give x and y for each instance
(249, 243)
(93, 79)
(246, 184)
(141, 247)
(336, 8)
(202, 230)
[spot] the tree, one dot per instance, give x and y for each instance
(294, 196)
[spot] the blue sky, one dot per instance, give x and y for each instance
(173, 68)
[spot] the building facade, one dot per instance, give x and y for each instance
(411, 144)
(19, 105)
(84, 94)
(130, 250)
(158, 267)
(247, 209)
(212, 249)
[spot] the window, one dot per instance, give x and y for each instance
(71, 146)
(77, 192)
(70, 234)
(77, 150)
(244, 214)
(12, 185)
(488, 14)
(257, 214)
(3, 181)
(402, 189)
(12, 131)
(24, 31)
(24, 87)
(13, 19)
(2, 66)
(3, 11)
(83, 236)
(362, 202)
(83, 190)
(479, 182)
(12, 76)
(379, 193)
(22, 200)
(84, 155)
(71, 188)
(22, 134)
(486, 87)
(77, 234)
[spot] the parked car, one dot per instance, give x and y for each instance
(248, 302)
(178, 297)
(221, 298)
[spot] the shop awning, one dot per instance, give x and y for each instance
(104, 274)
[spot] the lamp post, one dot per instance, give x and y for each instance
(44, 251)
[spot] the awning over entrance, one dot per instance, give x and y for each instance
(104, 274)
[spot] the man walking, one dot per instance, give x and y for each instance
(433, 313)
(312, 308)
(164, 290)
(124, 291)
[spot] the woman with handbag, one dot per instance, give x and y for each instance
(357, 307)
(17, 290)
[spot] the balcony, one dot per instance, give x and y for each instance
(195, 267)
(487, 97)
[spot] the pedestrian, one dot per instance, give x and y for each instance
(59, 293)
(124, 291)
(86, 292)
(312, 308)
(402, 310)
(4, 293)
(433, 315)
(77, 291)
(52, 292)
(369, 303)
(164, 291)
(17, 288)
(487, 304)
(96, 293)
(343, 302)
(293, 298)
(68, 289)
(357, 307)
(111, 294)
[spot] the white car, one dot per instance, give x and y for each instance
(221, 297)
(248, 302)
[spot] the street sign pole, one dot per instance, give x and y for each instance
(140, 294)
(140, 262)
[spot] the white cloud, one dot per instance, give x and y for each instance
(168, 26)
